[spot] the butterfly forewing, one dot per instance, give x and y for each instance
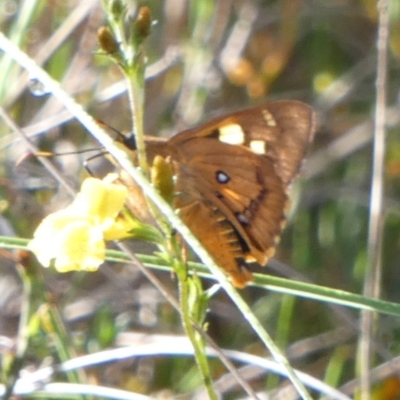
(291, 127)
(282, 130)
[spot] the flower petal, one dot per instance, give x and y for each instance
(82, 247)
(102, 200)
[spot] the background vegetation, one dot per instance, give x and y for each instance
(205, 58)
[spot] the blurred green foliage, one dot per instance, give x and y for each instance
(206, 58)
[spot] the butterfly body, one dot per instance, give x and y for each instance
(232, 179)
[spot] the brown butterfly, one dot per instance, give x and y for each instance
(232, 178)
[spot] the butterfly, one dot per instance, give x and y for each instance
(232, 176)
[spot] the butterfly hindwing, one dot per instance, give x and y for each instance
(242, 185)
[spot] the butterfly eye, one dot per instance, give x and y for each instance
(129, 141)
(222, 177)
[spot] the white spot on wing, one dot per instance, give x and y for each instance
(222, 177)
(242, 219)
(269, 119)
(231, 134)
(257, 146)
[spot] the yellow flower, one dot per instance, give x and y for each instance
(73, 239)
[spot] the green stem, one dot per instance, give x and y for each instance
(36, 314)
(54, 327)
(11, 371)
(135, 80)
(195, 337)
